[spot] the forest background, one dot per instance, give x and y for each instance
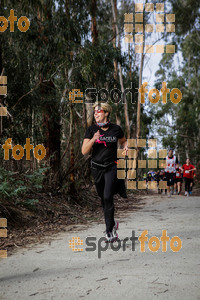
(80, 45)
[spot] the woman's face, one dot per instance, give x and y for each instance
(99, 115)
(187, 161)
(170, 153)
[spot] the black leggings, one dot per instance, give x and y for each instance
(105, 189)
(187, 184)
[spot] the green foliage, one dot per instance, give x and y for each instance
(35, 180)
(58, 48)
(13, 189)
(9, 186)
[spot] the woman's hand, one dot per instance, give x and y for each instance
(88, 143)
(96, 136)
(125, 150)
(123, 143)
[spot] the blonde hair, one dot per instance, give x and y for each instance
(104, 105)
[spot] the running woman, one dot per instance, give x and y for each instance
(102, 138)
(188, 168)
(170, 171)
(178, 179)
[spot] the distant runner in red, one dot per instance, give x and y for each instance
(188, 168)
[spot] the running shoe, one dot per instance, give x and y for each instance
(190, 193)
(109, 237)
(169, 195)
(185, 193)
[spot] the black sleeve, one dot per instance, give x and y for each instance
(88, 133)
(120, 133)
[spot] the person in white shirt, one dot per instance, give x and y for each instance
(170, 171)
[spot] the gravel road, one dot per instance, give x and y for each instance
(53, 271)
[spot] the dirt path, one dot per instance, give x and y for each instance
(53, 271)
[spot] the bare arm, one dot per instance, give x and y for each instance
(87, 146)
(88, 143)
(192, 170)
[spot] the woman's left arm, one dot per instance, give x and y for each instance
(193, 169)
(123, 143)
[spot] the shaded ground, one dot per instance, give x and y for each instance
(55, 213)
(51, 270)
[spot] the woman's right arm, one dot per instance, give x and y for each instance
(88, 143)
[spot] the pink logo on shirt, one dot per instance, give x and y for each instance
(101, 142)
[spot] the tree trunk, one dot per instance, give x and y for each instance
(121, 77)
(52, 128)
(51, 125)
(130, 62)
(139, 100)
(71, 125)
(72, 161)
(117, 116)
(94, 22)
(94, 34)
